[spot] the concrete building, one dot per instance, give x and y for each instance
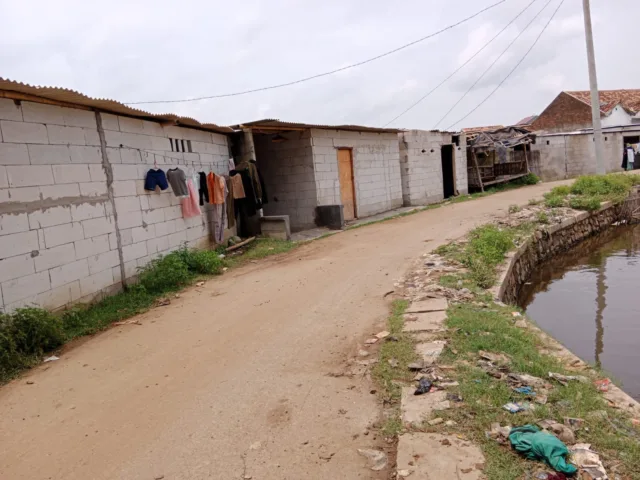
(571, 111)
(558, 156)
(433, 166)
(75, 220)
(309, 167)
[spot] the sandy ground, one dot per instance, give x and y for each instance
(234, 378)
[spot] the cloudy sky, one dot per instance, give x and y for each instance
(140, 50)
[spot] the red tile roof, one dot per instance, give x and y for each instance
(629, 99)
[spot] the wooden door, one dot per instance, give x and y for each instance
(347, 185)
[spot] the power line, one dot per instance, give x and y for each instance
(493, 63)
(319, 75)
(461, 66)
(513, 70)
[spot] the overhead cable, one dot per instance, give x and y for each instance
(496, 60)
(415, 104)
(319, 75)
(513, 70)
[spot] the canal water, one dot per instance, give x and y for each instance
(589, 300)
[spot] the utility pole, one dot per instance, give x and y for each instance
(595, 95)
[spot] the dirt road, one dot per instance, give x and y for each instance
(233, 379)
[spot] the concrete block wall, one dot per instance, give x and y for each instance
(58, 229)
(288, 172)
(568, 156)
(376, 163)
(421, 165)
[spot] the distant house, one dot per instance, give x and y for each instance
(527, 121)
(571, 111)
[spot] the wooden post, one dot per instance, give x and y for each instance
(475, 163)
(526, 160)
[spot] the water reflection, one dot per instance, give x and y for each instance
(598, 281)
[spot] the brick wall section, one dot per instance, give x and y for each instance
(564, 114)
(568, 156)
(58, 241)
(421, 165)
(288, 172)
(376, 160)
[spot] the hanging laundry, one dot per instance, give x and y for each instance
(155, 178)
(190, 207)
(203, 190)
(238, 189)
(229, 203)
(232, 164)
(178, 181)
(263, 189)
(217, 189)
(220, 212)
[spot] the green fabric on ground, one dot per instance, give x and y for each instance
(537, 445)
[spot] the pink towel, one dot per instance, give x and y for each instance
(190, 204)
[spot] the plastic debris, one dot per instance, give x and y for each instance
(516, 314)
(603, 384)
(541, 399)
(522, 379)
(435, 421)
(565, 379)
(494, 357)
(424, 386)
(536, 445)
(588, 461)
(498, 433)
(382, 335)
(52, 358)
(515, 407)
(454, 397)
(524, 390)
(560, 430)
(574, 423)
(377, 459)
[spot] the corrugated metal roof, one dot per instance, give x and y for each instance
(274, 123)
(76, 98)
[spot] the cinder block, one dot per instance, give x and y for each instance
(160, 200)
(16, 267)
(61, 135)
(113, 155)
(97, 282)
(109, 122)
(49, 154)
(134, 251)
(87, 154)
(68, 273)
(130, 156)
(153, 216)
(10, 110)
(23, 287)
(91, 137)
(54, 192)
(58, 297)
(97, 173)
(103, 261)
(131, 125)
(177, 239)
(4, 181)
(20, 132)
(54, 257)
(165, 228)
(71, 173)
(93, 246)
(96, 227)
(18, 243)
(141, 234)
(129, 220)
(127, 204)
(86, 211)
(75, 117)
(13, 153)
(156, 245)
(13, 223)
(126, 172)
(61, 234)
(49, 217)
(125, 188)
(42, 113)
(93, 189)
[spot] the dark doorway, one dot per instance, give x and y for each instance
(447, 171)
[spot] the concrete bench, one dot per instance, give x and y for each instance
(276, 226)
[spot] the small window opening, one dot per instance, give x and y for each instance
(189, 146)
(456, 139)
(183, 149)
(171, 143)
(548, 142)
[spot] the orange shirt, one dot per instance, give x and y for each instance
(216, 187)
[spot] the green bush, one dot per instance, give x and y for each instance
(206, 262)
(529, 179)
(543, 218)
(612, 185)
(35, 331)
(561, 191)
(585, 203)
(553, 201)
(514, 209)
(490, 243)
(165, 273)
(483, 274)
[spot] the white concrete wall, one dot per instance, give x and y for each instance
(421, 165)
(616, 118)
(568, 156)
(58, 229)
(376, 160)
(288, 173)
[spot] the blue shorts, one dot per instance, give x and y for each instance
(155, 178)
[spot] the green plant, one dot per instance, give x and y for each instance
(165, 273)
(543, 218)
(529, 179)
(490, 243)
(534, 201)
(35, 331)
(206, 262)
(585, 203)
(514, 208)
(553, 201)
(561, 191)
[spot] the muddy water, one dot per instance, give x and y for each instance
(589, 300)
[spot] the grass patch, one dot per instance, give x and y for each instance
(28, 333)
(385, 375)
(493, 330)
(543, 218)
(514, 208)
(589, 191)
